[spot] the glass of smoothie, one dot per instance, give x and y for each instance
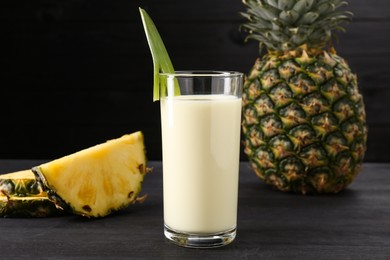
(200, 123)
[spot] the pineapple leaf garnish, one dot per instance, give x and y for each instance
(161, 61)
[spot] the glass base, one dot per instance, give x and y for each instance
(200, 240)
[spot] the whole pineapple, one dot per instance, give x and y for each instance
(304, 122)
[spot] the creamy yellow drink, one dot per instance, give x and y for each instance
(201, 122)
(201, 144)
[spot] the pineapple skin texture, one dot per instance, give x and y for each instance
(22, 196)
(28, 207)
(19, 184)
(304, 123)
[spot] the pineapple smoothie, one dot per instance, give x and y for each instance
(200, 123)
(201, 144)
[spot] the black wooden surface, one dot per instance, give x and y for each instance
(78, 72)
(353, 224)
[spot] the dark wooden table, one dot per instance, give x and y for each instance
(354, 224)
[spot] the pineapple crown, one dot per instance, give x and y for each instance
(284, 25)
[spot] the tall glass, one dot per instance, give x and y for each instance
(200, 121)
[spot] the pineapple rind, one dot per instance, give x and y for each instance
(313, 142)
(21, 183)
(98, 180)
(30, 206)
(22, 196)
(302, 93)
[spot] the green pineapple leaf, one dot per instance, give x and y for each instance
(161, 61)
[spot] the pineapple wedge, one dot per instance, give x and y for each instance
(22, 196)
(99, 180)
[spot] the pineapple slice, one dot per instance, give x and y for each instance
(99, 180)
(21, 183)
(30, 206)
(22, 196)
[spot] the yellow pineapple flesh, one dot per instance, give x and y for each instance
(99, 180)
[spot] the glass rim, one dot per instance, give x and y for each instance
(203, 73)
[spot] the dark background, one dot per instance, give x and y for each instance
(78, 72)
